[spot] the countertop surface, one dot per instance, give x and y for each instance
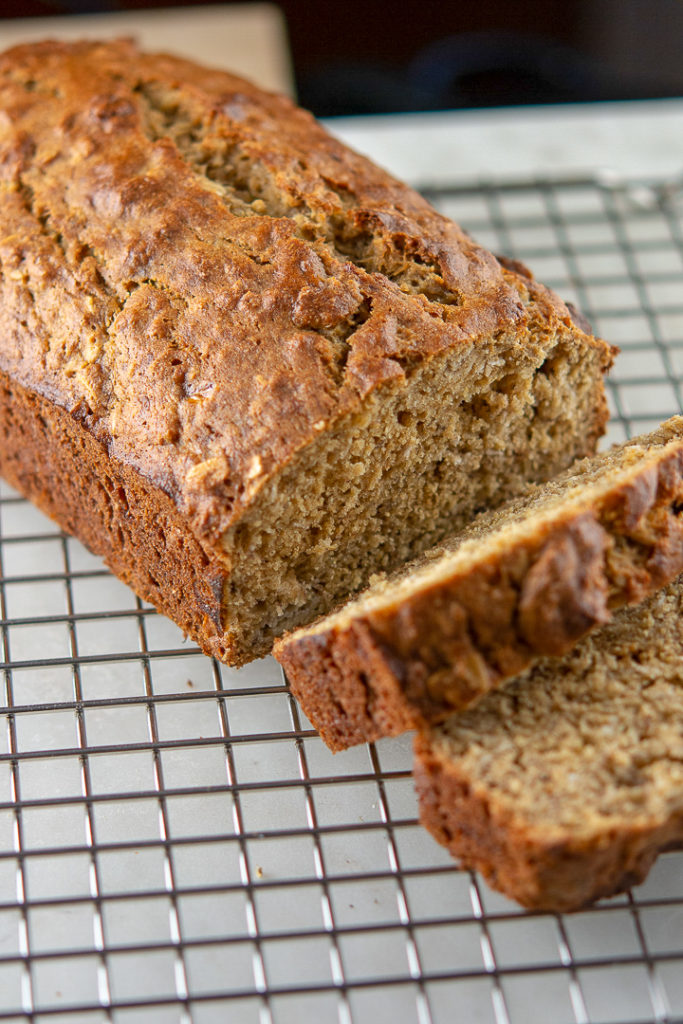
(613, 140)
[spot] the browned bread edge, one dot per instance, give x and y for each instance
(442, 648)
(51, 458)
(549, 873)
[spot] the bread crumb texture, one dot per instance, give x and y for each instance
(564, 786)
(518, 583)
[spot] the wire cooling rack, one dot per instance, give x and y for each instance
(176, 843)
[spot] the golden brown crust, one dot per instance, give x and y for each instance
(542, 873)
(53, 460)
(141, 279)
(441, 647)
(564, 592)
(205, 281)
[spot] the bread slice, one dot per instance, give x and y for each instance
(521, 583)
(564, 786)
(243, 363)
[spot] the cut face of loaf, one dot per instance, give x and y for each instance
(564, 786)
(519, 583)
(241, 362)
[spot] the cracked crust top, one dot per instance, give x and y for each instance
(204, 278)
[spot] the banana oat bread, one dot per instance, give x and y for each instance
(241, 362)
(564, 786)
(518, 584)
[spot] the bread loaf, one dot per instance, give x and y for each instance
(518, 584)
(241, 362)
(565, 785)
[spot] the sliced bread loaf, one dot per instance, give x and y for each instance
(564, 786)
(243, 363)
(521, 583)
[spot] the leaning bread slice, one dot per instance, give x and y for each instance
(564, 786)
(521, 583)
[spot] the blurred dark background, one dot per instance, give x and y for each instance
(360, 56)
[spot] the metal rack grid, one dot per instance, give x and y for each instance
(176, 843)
